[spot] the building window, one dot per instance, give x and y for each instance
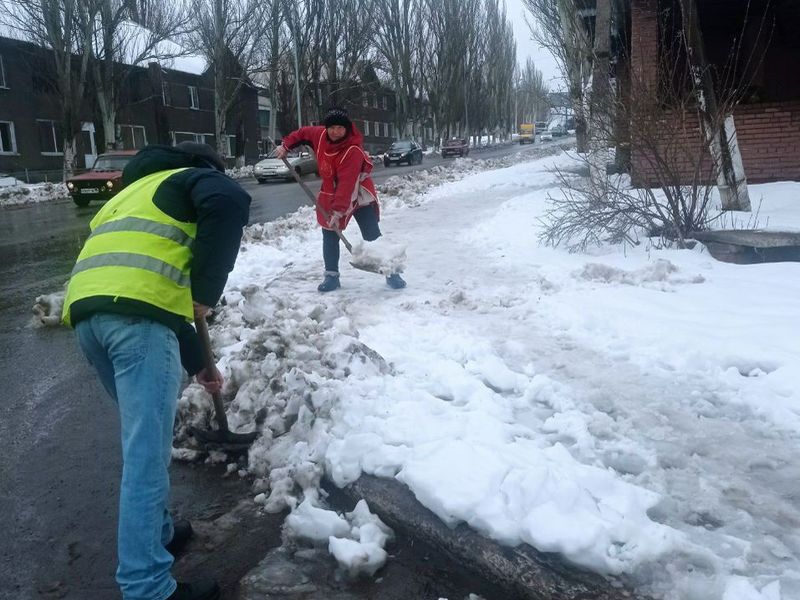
(166, 98)
(230, 146)
(194, 99)
(385, 129)
(200, 138)
(377, 129)
(364, 99)
(385, 102)
(133, 137)
(182, 136)
(8, 142)
(3, 82)
(366, 128)
(375, 101)
(50, 139)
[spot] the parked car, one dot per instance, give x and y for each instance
(407, 151)
(301, 159)
(558, 129)
(455, 147)
(546, 136)
(102, 181)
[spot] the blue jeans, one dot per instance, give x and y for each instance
(370, 230)
(138, 361)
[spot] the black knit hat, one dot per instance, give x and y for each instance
(203, 155)
(337, 116)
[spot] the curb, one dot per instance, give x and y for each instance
(525, 572)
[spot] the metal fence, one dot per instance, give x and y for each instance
(43, 176)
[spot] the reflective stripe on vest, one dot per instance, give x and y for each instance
(136, 251)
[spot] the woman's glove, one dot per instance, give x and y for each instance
(335, 218)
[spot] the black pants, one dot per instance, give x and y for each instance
(370, 230)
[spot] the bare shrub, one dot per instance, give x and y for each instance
(667, 131)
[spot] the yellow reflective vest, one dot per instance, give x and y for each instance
(136, 251)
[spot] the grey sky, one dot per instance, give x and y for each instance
(526, 47)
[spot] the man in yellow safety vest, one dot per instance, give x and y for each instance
(159, 253)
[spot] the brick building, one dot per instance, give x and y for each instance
(765, 67)
(159, 105)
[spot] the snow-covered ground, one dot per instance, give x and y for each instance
(634, 409)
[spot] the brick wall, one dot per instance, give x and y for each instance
(768, 133)
(644, 41)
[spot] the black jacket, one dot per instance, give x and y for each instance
(219, 206)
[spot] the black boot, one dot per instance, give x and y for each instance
(330, 283)
(395, 282)
(205, 589)
(182, 533)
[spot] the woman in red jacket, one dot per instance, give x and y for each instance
(347, 189)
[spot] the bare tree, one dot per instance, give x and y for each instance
(399, 38)
(118, 44)
(233, 35)
(531, 94)
(64, 28)
(559, 27)
(349, 31)
(499, 62)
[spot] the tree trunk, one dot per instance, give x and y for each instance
(70, 156)
(719, 129)
(600, 105)
(108, 115)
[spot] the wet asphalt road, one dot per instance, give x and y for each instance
(59, 447)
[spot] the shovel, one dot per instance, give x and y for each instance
(325, 215)
(223, 437)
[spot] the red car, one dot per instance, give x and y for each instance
(455, 147)
(102, 181)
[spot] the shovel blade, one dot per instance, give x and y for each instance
(367, 267)
(224, 439)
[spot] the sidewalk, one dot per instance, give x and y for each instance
(633, 411)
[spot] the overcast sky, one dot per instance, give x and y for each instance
(526, 47)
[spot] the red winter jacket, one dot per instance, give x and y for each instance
(344, 168)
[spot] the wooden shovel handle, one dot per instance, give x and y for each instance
(211, 366)
(325, 214)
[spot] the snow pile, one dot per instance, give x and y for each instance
(47, 309)
(240, 172)
(356, 540)
(381, 256)
(633, 410)
(20, 193)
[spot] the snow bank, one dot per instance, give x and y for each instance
(20, 193)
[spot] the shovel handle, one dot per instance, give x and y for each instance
(322, 211)
(210, 366)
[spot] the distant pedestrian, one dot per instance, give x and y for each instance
(158, 256)
(347, 188)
